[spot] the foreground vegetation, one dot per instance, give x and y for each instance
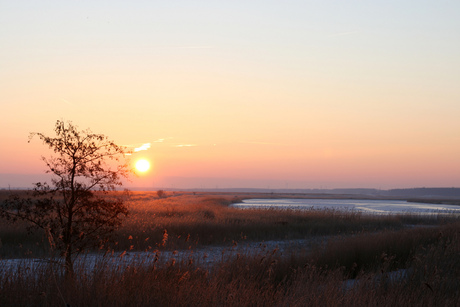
(356, 267)
(190, 220)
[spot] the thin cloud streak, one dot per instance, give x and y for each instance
(142, 147)
(137, 148)
(162, 140)
(185, 145)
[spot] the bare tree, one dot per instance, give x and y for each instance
(75, 210)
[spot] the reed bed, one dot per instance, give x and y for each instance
(356, 266)
(201, 220)
(181, 220)
(256, 279)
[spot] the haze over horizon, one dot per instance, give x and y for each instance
(19, 181)
(258, 94)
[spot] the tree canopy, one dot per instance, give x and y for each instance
(75, 210)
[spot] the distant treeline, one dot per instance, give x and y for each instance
(406, 193)
(426, 192)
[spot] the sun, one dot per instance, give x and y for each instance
(142, 165)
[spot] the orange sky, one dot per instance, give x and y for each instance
(297, 95)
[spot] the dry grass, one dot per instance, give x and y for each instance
(205, 219)
(367, 248)
(386, 250)
(198, 220)
(262, 279)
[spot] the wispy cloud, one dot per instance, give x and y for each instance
(186, 145)
(142, 147)
(162, 140)
(146, 146)
(137, 148)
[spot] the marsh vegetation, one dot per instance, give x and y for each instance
(348, 259)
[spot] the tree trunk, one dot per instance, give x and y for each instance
(68, 261)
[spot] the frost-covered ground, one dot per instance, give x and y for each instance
(357, 205)
(205, 257)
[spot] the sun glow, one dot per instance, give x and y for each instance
(142, 165)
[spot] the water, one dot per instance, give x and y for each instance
(357, 205)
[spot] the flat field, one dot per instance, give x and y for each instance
(340, 258)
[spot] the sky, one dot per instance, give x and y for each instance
(262, 94)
